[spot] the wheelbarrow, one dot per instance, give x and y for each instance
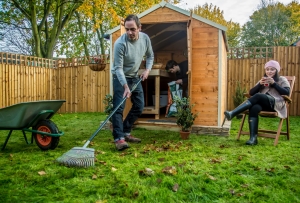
(33, 117)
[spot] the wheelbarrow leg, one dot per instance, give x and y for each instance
(7, 138)
(25, 137)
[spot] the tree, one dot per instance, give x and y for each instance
(47, 19)
(213, 13)
(270, 25)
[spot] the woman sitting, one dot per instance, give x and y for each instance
(265, 96)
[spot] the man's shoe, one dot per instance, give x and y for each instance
(130, 138)
(121, 145)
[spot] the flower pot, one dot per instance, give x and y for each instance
(185, 135)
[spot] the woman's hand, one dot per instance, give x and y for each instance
(266, 81)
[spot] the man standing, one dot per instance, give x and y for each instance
(181, 74)
(129, 50)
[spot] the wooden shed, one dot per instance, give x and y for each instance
(180, 35)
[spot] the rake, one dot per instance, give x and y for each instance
(83, 156)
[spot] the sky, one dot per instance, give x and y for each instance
(238, 11)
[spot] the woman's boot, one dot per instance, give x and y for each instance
(243, 107)
(253, 127)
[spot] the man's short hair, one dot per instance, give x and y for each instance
(171, 64)
(134, 18)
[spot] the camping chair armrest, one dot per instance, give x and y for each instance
(287, 98)
(247, 95)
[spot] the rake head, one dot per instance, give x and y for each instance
(78, 157)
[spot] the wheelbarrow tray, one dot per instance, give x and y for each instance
(29, 117)
(22, 115)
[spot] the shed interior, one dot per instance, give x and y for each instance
(169, 41)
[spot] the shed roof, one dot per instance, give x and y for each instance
(179, 10)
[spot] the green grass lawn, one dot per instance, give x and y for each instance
(202, 169)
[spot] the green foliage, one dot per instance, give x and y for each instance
(213, 13)
(208, 168)
(239, 97)
(108, 102)
(184, 115)
(273, 24)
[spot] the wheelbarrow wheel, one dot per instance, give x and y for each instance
(45, 142)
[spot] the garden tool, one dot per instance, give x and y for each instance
(83, 156)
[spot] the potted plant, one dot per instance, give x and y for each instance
(108, 108)
(185, 116)
(239, 97)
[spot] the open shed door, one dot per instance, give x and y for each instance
(189, 50)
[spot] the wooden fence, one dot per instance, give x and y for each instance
(24, 78)
(246, 65)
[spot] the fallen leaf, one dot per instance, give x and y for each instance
(239, 194)
(240, 158)
(232, 192)
(101, 201)
(170, 170)
(146, 172)
(42, 173)
(175, 187)
(222, 146)
(210, 177)
(271, 170)
(136, 194)
(11, 155)
(161, 159)
(113, 169)
(245, 185)
(94, 177)
(215, 161)
(158, 180)
(135, 155)
(102, 162)
(257, 168)
(287, 167)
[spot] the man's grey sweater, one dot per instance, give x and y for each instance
(128, 56)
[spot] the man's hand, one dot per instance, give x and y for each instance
(145, 74)
(126, 91)
(179, 81)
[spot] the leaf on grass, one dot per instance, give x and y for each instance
(214, 161)
(287, 167)
(222, 146)
(11, 155)
(146, 172)
(102, 162)
(159, 180)
(113, 169)
(94, 177)
(245, 185)
(136, 194)
(240, 158)
(135, 155)
(41, 173)
(101, 201)
(210, 177)
(271, 170)
(123, 154)
(239, 194)
(170, 170)
(182, 164)
(257, 169)
(232, 191)
(92, 143)
(99, 152)
(161, 159)
(175, 187)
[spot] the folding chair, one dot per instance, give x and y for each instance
(270, 133)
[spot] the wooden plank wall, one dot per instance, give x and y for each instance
(249, 71)
(23, 81)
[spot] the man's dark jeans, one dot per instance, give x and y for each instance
(137, 98)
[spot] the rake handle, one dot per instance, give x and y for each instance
(110, 115)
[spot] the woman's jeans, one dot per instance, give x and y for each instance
(121, 127)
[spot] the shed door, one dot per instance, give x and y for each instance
(189, 50)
